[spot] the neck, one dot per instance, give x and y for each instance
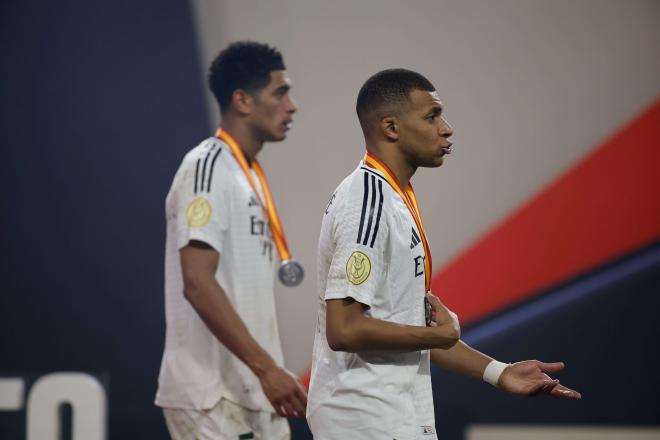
(241, 132)
(396, 161)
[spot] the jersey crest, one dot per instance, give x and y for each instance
(358, 268)
(198, 212)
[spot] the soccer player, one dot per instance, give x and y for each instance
(379, 328)
(221, 374)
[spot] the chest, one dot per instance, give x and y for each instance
(249, 225)
(408, 259)
(406, 241)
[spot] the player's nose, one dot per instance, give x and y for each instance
(446, 130)
(292, 107)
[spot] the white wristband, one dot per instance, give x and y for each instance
(493, 372)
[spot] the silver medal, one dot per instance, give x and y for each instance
(291, 273)
(428, 312)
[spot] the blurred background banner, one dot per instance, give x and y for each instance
(544, 222)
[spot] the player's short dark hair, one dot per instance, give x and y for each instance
(242, 65)
(384, 93)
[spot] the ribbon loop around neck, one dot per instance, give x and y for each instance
(267, 205)
(409, 198)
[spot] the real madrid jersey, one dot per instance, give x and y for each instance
(212, 201)
(370, 250)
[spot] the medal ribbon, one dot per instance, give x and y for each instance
(409, 198)
(268, 205)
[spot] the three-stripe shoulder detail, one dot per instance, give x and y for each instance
(204, 168)
(372, 208)
(370, 171)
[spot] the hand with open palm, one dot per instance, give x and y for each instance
(529, 378)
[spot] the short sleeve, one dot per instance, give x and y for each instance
(203, 202)
(360, 232)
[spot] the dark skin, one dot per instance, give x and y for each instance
(413, 135)
(260, 116)
(199, 263)
(252, 119)
(349, 329)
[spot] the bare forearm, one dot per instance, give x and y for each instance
(461, 359)
(348, 329)
(368, 334)
(211, 303)
(199, 263)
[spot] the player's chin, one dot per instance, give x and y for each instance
(435, 161)
(277, 136)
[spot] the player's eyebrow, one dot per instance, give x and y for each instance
(436, 110)
(281, 90)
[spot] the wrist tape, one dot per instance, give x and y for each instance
(493, 372)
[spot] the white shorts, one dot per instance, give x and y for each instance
(225, 421)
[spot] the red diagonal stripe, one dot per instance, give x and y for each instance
(607, 205)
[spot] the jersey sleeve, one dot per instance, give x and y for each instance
(360, 232)
(203, 204)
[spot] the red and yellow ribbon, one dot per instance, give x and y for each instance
(268, 205)
(408, 197)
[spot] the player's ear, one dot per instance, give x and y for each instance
(389, 127)
(242, 101)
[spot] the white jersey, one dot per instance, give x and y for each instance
(212, 201)
(370, 250)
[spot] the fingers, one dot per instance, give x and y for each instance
(564, 392)
(299, 401)
(293, 407)
(434, 300)
(298, 406)
(555, 389)
(551, 367)
(544, 386)
(290, 409)
(294, 403)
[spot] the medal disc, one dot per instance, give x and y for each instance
(428, 311)
(291, 273)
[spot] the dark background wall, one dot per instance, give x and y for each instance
(601, 324)
(98, 103)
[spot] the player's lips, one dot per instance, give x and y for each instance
(286, 125)
(447, 149)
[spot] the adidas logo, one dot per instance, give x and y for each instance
(415, 239)
(253, 201)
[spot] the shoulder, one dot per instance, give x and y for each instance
(361, 185)
(367, 192)
(205, 166)
(195, 157)
(363, 200)
(213, 162)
